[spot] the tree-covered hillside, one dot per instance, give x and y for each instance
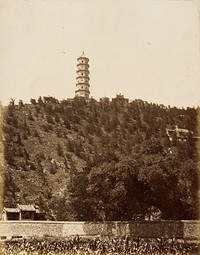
(101, 160)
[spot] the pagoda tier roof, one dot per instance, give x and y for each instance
(82, 57)
(87, 90)
(83, 83)
(81, 70)
(83, 77)
(82, 64)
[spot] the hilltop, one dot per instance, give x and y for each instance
(107, 159)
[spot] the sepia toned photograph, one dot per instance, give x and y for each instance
(99, 127)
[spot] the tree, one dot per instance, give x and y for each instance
(30, 117)
(33, 101)
(53, 168)
(12, 102)
(152, 146)
(170, 184)
(80, 202)
(114, 190)
(40, 101)
(21, 104)
(59, 150)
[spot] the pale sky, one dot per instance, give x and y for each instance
(143, 49)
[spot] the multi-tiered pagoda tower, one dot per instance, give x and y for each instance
(82, 86)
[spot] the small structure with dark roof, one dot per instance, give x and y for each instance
(10, 214)
(27, 212)
(22, 212)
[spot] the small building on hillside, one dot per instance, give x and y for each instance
(181, 134)
(120, 98)
(22, 212)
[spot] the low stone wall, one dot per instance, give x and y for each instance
(191, 229)
(143, 229)
(40, 228)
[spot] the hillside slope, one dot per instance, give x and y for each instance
(56, 152)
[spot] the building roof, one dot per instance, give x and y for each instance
(182, 130)
(26, 208)
(11, 210)
(38, 211)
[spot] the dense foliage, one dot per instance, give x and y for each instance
(106, 160)
(99, 245)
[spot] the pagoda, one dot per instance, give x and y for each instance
(82, 85)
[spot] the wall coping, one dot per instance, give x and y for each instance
(98, 222)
